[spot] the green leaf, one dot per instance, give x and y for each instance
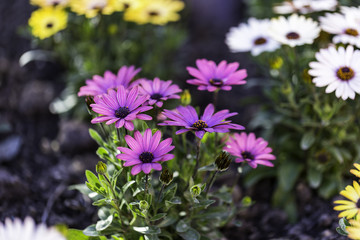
(314, 177)
(343, 222)
(182, 226)
(190, 234)
(103, 224)
(307, 140)
(148, 230)
(170, 191)
(127, 185)
(204, 203)
(91, 231)
(158, 216)
(103, 153)
(341, 232)
(288, 173)
(96, 136)
(151, 237)
(168, 221)
(211, 167)
(75, 234)
(337, 154)
(92, 179)
(102, 202)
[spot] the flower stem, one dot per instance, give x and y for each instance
(197, 158)
(146, 183)
(212, 180)
(115, 200)
(118, 133)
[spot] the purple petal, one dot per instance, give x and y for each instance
(146, 167)
(136, 169)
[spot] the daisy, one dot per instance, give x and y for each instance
(100, 85)
(349, 209)
(345, 28)
(209, 122)
(158, 12)
(251, 37)
(354, 229)
(250, 149)
(338, 70)
(356, 171)
(159, 91)
(47, 3)
(305, 6)
(47, 21)
(27, 230)
(212, 77)
(294, 31)
(352, 13)
(121, 107)
(146, 151)
(91, 8)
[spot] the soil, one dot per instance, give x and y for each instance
(42, 154)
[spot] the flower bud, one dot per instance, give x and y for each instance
(89, 100)
(101, 168)
(195, 190)
(223, 161)
(143, 205)
(166, 176)
(185, 98)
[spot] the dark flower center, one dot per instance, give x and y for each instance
(292, 35)
(247, 155)
(153, 14)
(126, 5)
(216, 82)
(260, 41)
(358, 203)
(352, 32)
(122, 112)
(345, 73)
(49, 25)
(200, 124)
(156, 96)
(146, 157)
(322, 158)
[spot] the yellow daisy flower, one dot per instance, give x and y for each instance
(47, 3)
(349, 208)
(127, 4)
(47, 21)
(91, 8)
(354, 229)
(356, 171)
(157, 12)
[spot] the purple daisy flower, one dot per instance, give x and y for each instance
(212, 77)
(208, 122)
(251, 149)
(100, 85)
(145, 152)
(120, 107)
(159, 90)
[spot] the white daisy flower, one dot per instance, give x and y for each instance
(252, 37)
(305, 6)
(345, 28)
(339, 70)
(294, 31)
(352, 13)
(27, 230)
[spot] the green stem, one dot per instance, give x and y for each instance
(212, 180)
(115, 200)
(118, 133)
(146, 183)
(197, 158)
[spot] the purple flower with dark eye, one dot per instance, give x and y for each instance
(208, 122)
(121, 107)
(250, 149)
(100, 85)
(145, 152)
(159, 90)
(212, 77)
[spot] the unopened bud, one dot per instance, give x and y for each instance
(223, 161)
(143, 205)
(195, 190)
(101, 168)
(166, 176)
(185, 98)
(89, 100)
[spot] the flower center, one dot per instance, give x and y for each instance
(49, 25)
(345, 73)
(260, 41)
(126, 5)
(122, 112)
(153, 13)
(146, 157)
(156, 96)
(352, 32)
(292, 35)
(216, 82)
(358, 203)
(200, 124)
(247, 155)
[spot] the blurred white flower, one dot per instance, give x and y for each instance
(352, 13)
(294, 31)
(27, 230)
(251, 36)
(345, 27)
(339, 70)
(305, 6)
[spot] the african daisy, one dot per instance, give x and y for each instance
(248, 148)
(146, 151)
(212, 77)
(120, 107)
(339, 70)
(305, 6)
(354, 229)
(349, 209)
(91, 8)
(47, 3)
(209, 122)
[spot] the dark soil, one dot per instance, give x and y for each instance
(41, 154)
